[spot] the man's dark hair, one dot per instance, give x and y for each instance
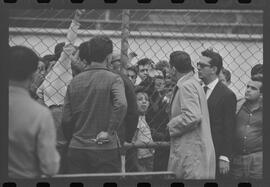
(144, 61)
(162, 64)
(58, 50)
(133, 68)
(216, 59)
(23, 62)
(140, 90)
(84, 53)
(259, 79)
(181, 61)
(99, 48)
(227, 74)
(257, 69)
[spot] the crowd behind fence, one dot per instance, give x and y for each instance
(154, 34)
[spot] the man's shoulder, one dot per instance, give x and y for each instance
(225, 90)
(191, 81)
(39, 108)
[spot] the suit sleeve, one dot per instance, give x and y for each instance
(132, 117)
(190, 116)
(229, 120)
(67, 125)
(119, 104)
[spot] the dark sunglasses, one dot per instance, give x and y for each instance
(202, 65)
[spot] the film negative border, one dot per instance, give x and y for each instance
(136, 4)
(97, 4)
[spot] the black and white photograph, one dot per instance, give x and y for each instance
(135, 93)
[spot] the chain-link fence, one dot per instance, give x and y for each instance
(235, 34)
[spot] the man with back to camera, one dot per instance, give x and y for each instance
(221, 105)
(94, 108)
(192, 154)
(32, 138)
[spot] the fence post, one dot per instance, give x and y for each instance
(124, 38)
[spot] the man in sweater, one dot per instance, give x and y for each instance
(94, 108)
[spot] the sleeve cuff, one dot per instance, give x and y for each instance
(224, 158)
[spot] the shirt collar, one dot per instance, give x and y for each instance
(212, 84)
(255, 109)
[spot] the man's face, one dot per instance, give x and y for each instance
(253, 90)
(132, 76)
(144, 71)
(204, 68)
(159, 84)
(142, 102)
(41, 68)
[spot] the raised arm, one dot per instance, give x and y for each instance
(69, 49)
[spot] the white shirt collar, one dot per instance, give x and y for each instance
(212, 84)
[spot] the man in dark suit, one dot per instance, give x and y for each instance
(222, 106)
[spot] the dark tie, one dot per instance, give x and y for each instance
(169, 107)
(205, 88)
(174, 92)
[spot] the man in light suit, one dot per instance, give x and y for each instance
(222, 106)
(192, 154)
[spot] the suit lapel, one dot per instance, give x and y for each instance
(213, 98)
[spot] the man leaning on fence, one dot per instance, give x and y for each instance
(95, 106)
(192, 154)
(32, 139)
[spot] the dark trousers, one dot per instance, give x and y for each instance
(161, 159)
(93, 161)
(131, 164)
(248, 166)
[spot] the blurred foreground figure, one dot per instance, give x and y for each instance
(192, 154)
(32, 137)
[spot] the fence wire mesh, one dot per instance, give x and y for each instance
(154, 34)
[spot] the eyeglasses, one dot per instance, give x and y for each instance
(202, 65)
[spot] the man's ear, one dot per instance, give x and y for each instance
(214, 69)
(109, 58)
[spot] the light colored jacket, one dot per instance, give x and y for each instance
(192, 154)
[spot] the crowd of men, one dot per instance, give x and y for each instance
(72, 111)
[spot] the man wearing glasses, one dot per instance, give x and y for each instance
(222, 106)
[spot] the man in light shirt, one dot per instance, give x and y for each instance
(222, 106)
(53, 90)
(32, 139)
